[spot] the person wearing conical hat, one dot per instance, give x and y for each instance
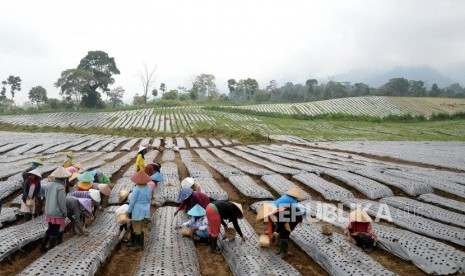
(288, 203)
(190, 182)
(123, 222)
(74, 168)
(198, 223)
(139, 207)
(35, 164)
(55, 207)
(86, 181)
(360, 230)
(188, 198)
(31, 192)
(140, 159)
(217, 212)
(69, 155)
(77, 210)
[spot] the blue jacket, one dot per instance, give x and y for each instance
(139, 202)
(287, 201)
(157, 177)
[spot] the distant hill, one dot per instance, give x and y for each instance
(427, 74)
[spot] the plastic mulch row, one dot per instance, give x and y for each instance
(330, 191)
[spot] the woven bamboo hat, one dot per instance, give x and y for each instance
(60, 172)
(86, 177)
(239, 206)
(359, 215)
(78, 166)
(74, 176)
(266, 210)
(104, 189)
(70, 154)
(197, 211)
(141, 148)
(95, 195)
(187, 182)
(35, 172)
(123, 194)
(295, 192)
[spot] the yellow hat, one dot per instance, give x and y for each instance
(239, 206)
(78, 166)
(359, 216)
(74, 176)
(123, 194)
(70, 154)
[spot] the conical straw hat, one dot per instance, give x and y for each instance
(295, 192)
(35, 172)
(60, 172)
(187, 182)
(239, 206)
(95, 195)
(359, 215)
(141, 178)
(78, 166)
(104, 189)
(74, 176)
(141, 149)
(70, 154)
(123, 194)
(266, 210)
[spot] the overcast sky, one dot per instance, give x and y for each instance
(273, 39)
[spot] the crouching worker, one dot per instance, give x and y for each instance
(124, 222)
(217, 212)
(360, 230)
(139, 207)
(198, 224)
(78, 209)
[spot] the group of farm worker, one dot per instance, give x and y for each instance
(68, 195)
(76, 196)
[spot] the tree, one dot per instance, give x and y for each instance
(155, 92)
(139, 100)
(395, 87)
(247, 88)
(359, 89)
(310, 85)
(162, 89)
(417, 88)
(115, 95)
(73, 83)
(102, 68)
(453, 90)
(15, 85)
(334, 90)
(204, 87)
(232, 85)
(38, 95)
(272, 88)
(147, 79)
(3, 92)
(262, 96)
(170, 95)
(435, 91)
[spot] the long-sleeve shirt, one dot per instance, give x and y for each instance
(74, 212)
(26, 185)
(200, 223)
(140, 163)
(139, 202)
(55, 200)
(196, 198)
(228, 211)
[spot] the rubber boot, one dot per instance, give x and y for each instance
(132, 241)
(44, 243)
(283, 248)
(53, 241)
(60, 237)
(137, 242)
(142, 240)
(27, 216)
(214, 248)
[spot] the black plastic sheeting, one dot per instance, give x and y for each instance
(13, 238)
(8, 215)
(280, 184)
(330, 191)
(425, 209)
(366, 186)
(248, 168)
(247, 186)
(167, 251)
(247, 258)
(412, 222)
(431, 256)
(446, 202)
(168, 191)
(79, 255)
(279, 168)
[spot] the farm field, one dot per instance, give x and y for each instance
(399, 176)
(194, 120)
